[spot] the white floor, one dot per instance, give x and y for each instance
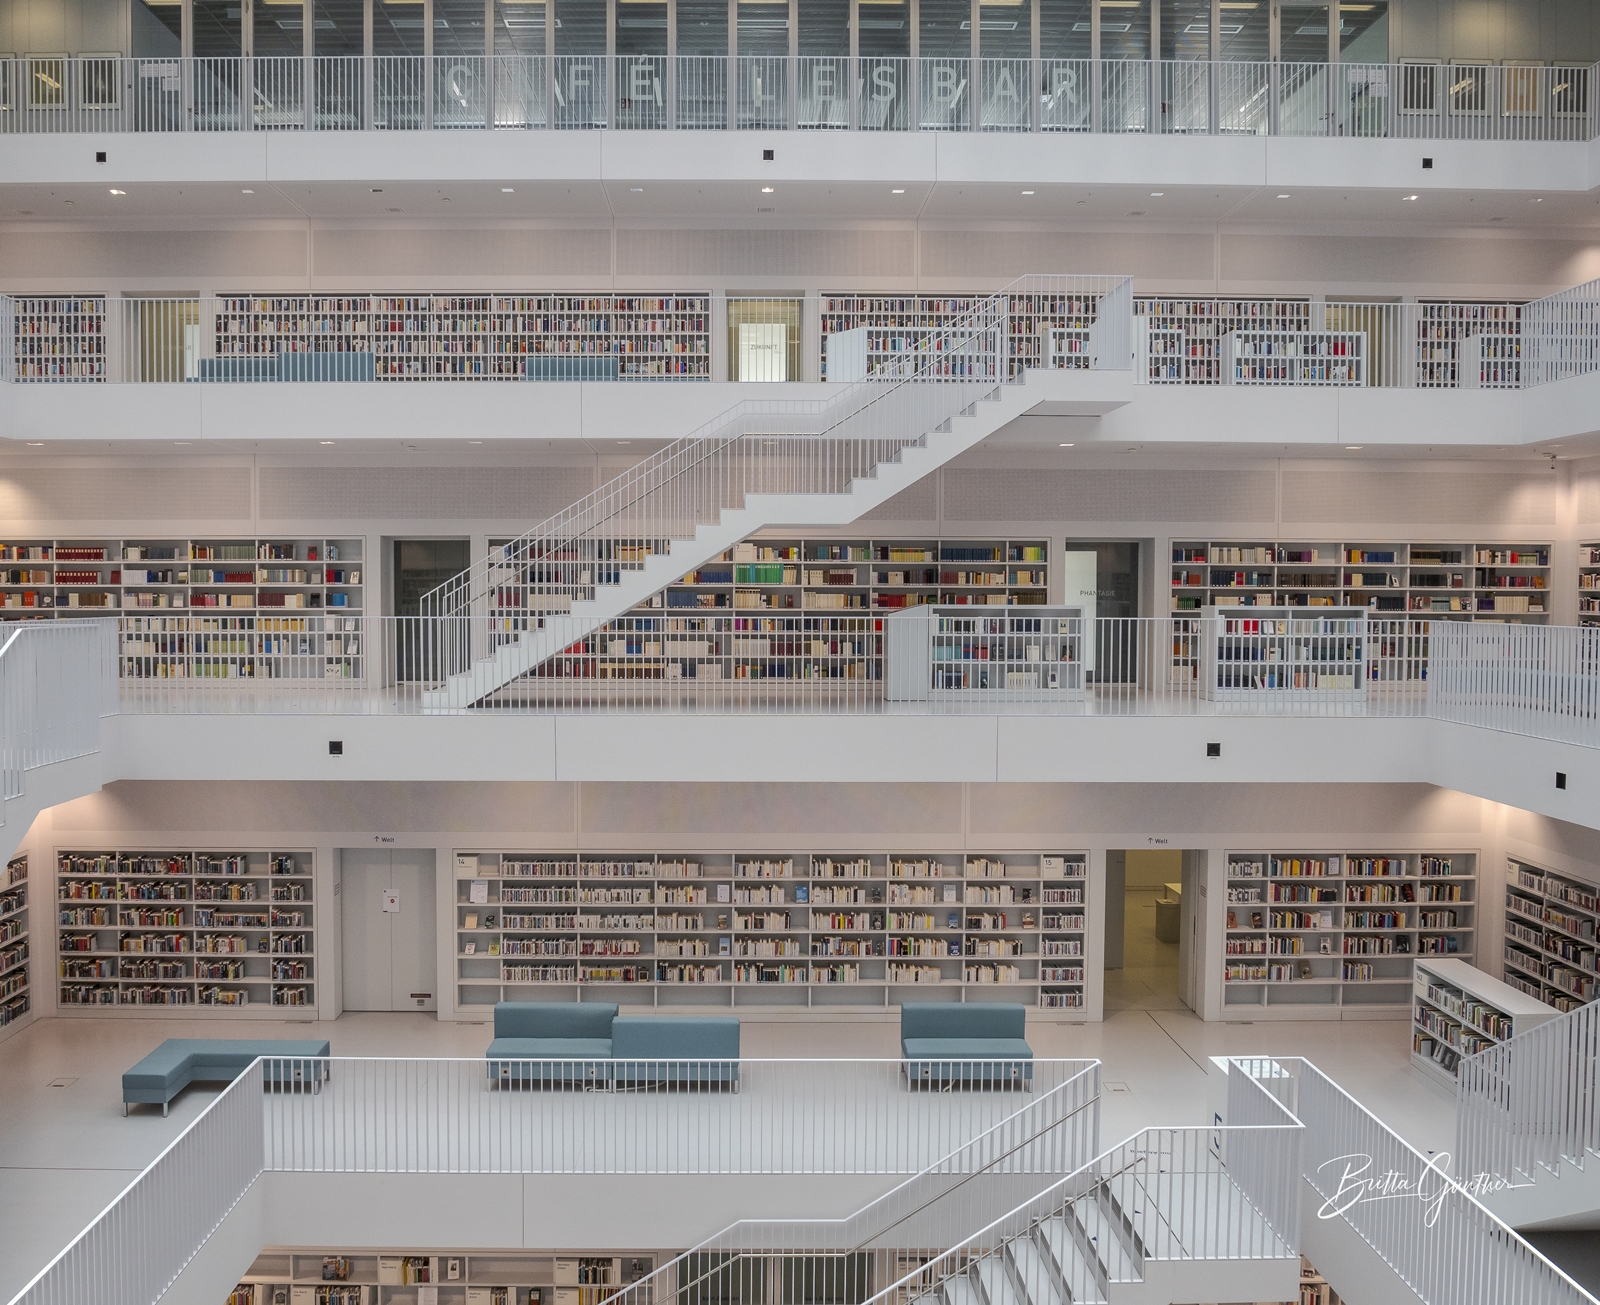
(66, 1151)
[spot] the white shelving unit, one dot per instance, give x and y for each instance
(1589, 583)
(16, 995)
(1458, 1010)
(1022, 654)
(1433, 581)
(1550, 936)
(1300, 358)
(792, 929)
(1340, 931)
(1273, 652)
(365, 1276)
(209, 930)
(60, 338)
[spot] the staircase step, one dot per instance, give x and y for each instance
(1083, 1270)
(960, 1289)
(994, 1272)
(1034, 1270)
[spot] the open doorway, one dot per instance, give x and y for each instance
(1144, 925)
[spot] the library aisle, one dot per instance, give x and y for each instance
(70, 1150)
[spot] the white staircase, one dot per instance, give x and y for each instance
(798, 465)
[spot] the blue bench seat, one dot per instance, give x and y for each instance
(967, 1044)
(178, 1062)
(563, 1043)
(649, 1052)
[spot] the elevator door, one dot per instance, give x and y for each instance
(390, 946)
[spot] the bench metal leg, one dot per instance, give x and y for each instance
(164, 1109)
(124, 1109)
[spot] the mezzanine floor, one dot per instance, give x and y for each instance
(65, 1152)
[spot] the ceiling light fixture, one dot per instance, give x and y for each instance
(1354, 448)
(324, 441)
(474, 441)
(247, 192)
(766, 190)
(114, 191)
(1283, 197)
(1409, 199)
(1069, 446)
(1157, 194)
(183, 443)
(508, 190)
(624, 441)
(1531, 201)
(35, 444)
(636, 190)
(898, 192)
(1027, 192)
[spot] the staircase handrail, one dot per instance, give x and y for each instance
(703, 450)
(1533, 1101)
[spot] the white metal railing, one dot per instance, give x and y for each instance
(670, 1116)
(1455, 101)
(57, 680)
(1426, 1225)
(1540, 681)
(515, 336)
(1533, 1101)
(771, 448)
(144, 1239)
(763, 659)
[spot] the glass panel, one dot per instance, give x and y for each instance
(1185, 29)
(641, 27)
(1246, 30)
(1064, 29)
(946, 29)
(458, 27)
(885, 28)
(279, 28)
(216, 29)
(157, 29)
(397, 27)
(1005, 29)
(1303, 33)
(764, 339)
(518, 27)
(1124, 29)
(824, 27)
(702, 26)
(338, 27)
(1364, 32)
(763, 27)
(580, 27)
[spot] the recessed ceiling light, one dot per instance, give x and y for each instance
(1069, 446)
(183, 442)
(1283, 197)
(1531, 201)
(766, 190)
(1352, 448)
(1157, 194)
(624, 441)
(115, 191)
(1027, 192)
(508, 190)
(898, 192)
(324, 441)
(1410, 199)
(474, 441)
(247, 192)
(35, 444)
(636, 190)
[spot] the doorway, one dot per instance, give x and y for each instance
(390, 939)
(422, 651)
(1145, 922)
(1103, 579)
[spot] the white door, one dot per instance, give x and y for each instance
(388, 929)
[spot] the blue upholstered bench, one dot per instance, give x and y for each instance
(550, 1041)
(178, 1062)
(651, 1052)
(970, 1044)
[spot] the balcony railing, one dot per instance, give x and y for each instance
(507, 336)
(1457, 101)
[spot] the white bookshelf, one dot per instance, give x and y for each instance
(1301, 358)
(365, 1276)
(1458, 1010)
(60, 338)
(1337, 933)
(1020, 654)
(1589, 583)
(771, 929)
(1550, 936)
(210, 930)
(16, 994)
(1270, 652)
(1431, 581)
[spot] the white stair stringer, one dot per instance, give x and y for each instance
(637, 585)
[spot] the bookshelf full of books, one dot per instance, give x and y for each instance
(445, 1277)
(1589, 583)
(476, 337)
(765, 929)
(1336, 934)
(16, 997)
(59, 338)
(1460, 581)
(1551, 951)
(904, 332)
(1268, 653)
(781, 608)
(1458, 1010)
(209, 929)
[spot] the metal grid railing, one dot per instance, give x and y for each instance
(54, 678)
(1451, 101)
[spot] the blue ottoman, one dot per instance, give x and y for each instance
(178, 1062)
